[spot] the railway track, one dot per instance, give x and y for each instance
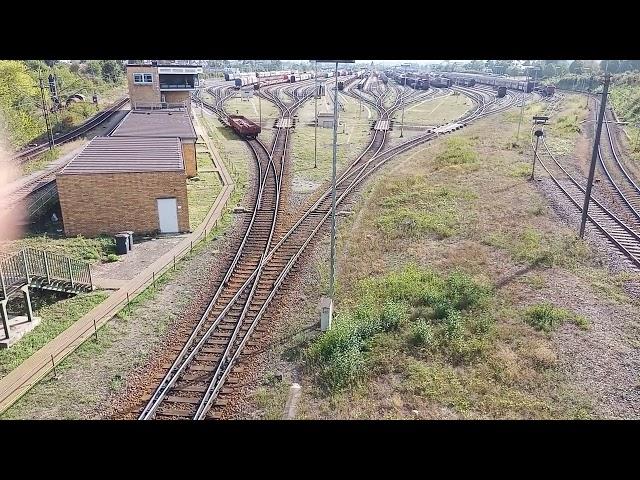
(196, 378)
(26, 154)
(614, 229)
(194, 384)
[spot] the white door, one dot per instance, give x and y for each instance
(168, 215)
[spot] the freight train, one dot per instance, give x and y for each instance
(494, 80)
(243, 126)
(270, 78)
(440, 82)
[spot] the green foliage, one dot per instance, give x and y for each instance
(56, 317)
(411, 207)
(21, 113)
(112, 257)
(458, 150)
(439, 313)
(534, 247)
(547, 317)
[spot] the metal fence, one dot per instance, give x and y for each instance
(43, 269)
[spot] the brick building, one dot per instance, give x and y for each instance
(125, 183)
(159, 124)
(152, 85)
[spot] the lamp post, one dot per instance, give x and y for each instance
(522, 104)
(332, 267)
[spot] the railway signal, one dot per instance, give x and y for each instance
(594, 155)
(538, 134)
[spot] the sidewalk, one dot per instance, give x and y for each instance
(31, 371)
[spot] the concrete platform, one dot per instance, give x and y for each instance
(382, 125)
(450, 127)
(284, 123)
(18, 326)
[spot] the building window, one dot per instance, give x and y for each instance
(142, 78)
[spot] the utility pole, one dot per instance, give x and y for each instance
(594, 155)
(402, 124)
(522, 107)
(333, 191)
(260, 105)
(44, 110)
(315, 127)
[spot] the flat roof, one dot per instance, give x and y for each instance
(127, 155)
(156, 123)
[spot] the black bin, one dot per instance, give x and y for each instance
(122, 243)
(130, 234)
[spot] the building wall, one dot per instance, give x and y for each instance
(110, 203)
(177, 97)
(189, 156)
(143, 93)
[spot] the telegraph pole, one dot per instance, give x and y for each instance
(333, 191)
(594, 154)
(44, 110)
(315, 128)
(522, 106)
(402, 124)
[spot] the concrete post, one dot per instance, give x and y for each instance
(27, 301)
(5, 317)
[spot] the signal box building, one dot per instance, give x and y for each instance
(125, 183)
(163, 124)
(158, 86)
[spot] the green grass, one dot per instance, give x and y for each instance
(547, 317)
(442, 312)
(202, 190)
(435, 111)
(457, 150)
(412, 207)
(41, 161)
(56, 317)
(535, 247)
(92, 250)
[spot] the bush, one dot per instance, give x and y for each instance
(112, 257)
(422, 334)
(547, 317)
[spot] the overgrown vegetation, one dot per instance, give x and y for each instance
(534, 247)
(432, 310)
(458, 150)
(547, 317)
(92, 250)
(412, 207)
(21, 114)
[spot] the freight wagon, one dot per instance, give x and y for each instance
(502, 91)
(243, 126)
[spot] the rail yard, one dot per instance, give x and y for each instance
(352, 243)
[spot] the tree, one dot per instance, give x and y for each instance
(111, 71)
(576, 67)
(549, 70)
(94, 68)
(611, 66)
(50, 63)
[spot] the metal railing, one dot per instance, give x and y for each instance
(42, 269)
(182, 86)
